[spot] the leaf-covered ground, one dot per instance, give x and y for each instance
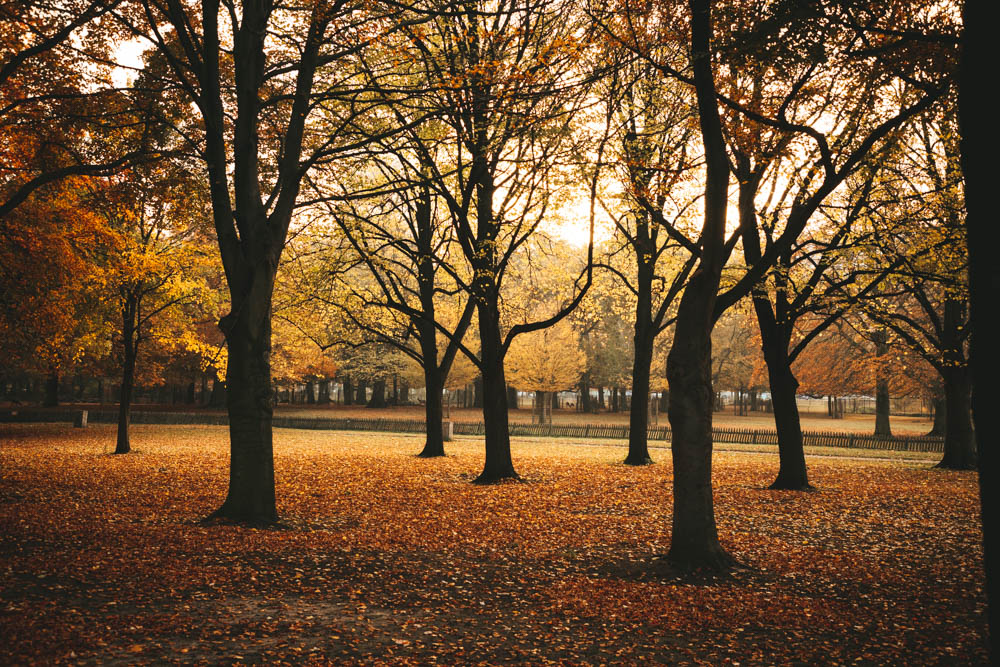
(390, 558)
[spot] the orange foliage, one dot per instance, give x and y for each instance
(400, 560)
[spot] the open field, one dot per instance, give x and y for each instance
(850, 423)
(387, 557)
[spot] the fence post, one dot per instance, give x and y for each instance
(850, 441)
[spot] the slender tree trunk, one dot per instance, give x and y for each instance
(881, 388)
(959, 438)
(130, 351)
(499, 465)
(938, 405)
(642, 360)
(51, 396)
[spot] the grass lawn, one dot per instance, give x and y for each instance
(386, 557)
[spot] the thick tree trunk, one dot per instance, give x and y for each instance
(249, 397)
(775, 338)
(348, 389)
(51, 396)
(977, 121)
(695, 538)
(792, 474)
(361, 393)
(959, 438)
(310, 392)
(586, 404)
(433, 410)
(324, 391)
(498, 465)
(378, 394)
(512, 398)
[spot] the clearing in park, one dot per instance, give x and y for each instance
(388, 557)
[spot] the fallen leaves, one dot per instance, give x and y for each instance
(394, 558)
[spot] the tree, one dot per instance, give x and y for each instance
(652, 127)
(505, 82)
(975, 124)
(783, 117)
(54, 94)
(546, 361)
(925, 305)
(257, 74)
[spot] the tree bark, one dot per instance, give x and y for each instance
(959, 438)
(378, 394)
(586, 404)
(792, 473)
(361, 393)
(694, 538)
(977, 122)
(130, 351)
(881, 388)
(348, 389)
(51, 397)
(324, 391)
(433, 409)
(499, 465)
(642, 357)
(249, 397)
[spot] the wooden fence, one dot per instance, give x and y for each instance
(585, 431)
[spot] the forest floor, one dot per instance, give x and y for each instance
(388, 558)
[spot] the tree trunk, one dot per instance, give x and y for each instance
(378, 394)
(310, 392)
(348, 390)
(249, 396)
(775, 337)
(498, 465)
(642, 359)
(361, 393)
(51, 397)
(977, 121)
(792, 474)
(130, 351)
(881, 387)
(959, 438)
(512, 398)
(586, 404)
(433, 408)
(324, 391)
(694, 538)
(940, 415)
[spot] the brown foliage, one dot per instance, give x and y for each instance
(388, 557)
